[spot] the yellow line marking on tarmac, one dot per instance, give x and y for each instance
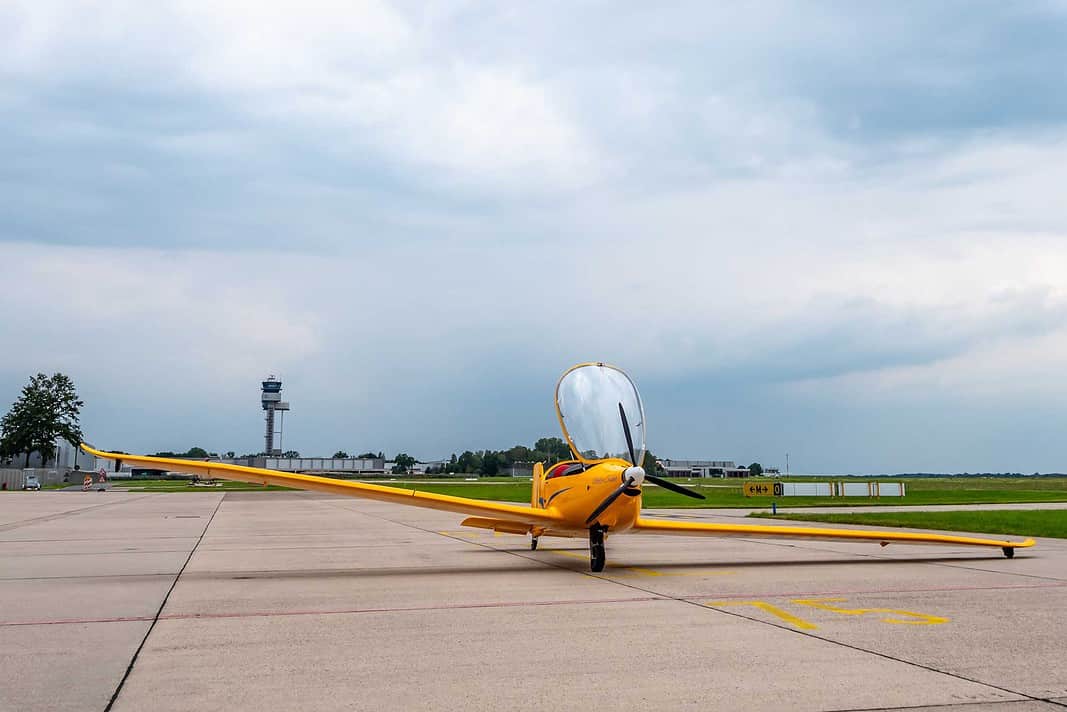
(822, 603)
(767, 607)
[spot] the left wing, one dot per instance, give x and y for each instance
(409, 497)
(764, 531)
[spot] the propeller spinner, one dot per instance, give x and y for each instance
(633, 476)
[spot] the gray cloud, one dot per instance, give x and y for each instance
(793, 223)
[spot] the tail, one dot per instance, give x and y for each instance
(535, 491)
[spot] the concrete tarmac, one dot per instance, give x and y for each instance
(293, 601)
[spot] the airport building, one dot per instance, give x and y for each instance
(702, 468)
(316, 465)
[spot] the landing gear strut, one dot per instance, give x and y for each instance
(597, 555)
(533, 543)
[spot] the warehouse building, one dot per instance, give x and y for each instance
(703, 468)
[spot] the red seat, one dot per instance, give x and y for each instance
(563, 469)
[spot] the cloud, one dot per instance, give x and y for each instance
(420, 215)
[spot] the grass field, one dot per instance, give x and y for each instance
(1021, 522)
(719, 493)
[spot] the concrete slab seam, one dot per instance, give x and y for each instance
(700, 605)
(947, 563)
(60, 515)
(885, 656)
(952, 705)
(162, 605)
(343, 611)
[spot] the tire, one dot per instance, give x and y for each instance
(597, 558)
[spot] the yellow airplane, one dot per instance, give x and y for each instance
(596, 494)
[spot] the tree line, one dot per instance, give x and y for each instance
(48, 409)
(487, 463)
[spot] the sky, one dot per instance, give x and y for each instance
(835, 230)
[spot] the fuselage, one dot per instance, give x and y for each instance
(575, 490)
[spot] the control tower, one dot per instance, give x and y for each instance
(271, 398)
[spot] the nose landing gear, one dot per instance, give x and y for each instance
(597, 554)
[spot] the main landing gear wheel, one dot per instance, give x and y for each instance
(533, 543)
(1009, 551)
(597, 555)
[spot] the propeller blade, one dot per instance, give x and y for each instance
(629, 439)
(667, 484)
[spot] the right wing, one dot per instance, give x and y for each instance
(541, 518)
(764, 531)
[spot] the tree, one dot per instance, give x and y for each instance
(230, 454)
(755, 469)
(468, 462)
(402, 463)
(553, 448)
(291, 453)
(47, 410)
(491, 462)
(341, 455)
(519, 453)
(194, 452)
(370, 456)
(650, 465)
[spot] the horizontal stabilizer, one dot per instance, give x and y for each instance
(497, 525)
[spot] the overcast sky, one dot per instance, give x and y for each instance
(834, 229)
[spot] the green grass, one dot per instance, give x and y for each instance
(724, 493)
(1019, 522)
(719, 493)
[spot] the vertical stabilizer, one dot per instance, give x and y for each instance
(538, 482)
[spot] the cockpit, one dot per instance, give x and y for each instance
(600, 414)
(563, 469)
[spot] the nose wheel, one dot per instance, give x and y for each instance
(533, 543)
(597, 554)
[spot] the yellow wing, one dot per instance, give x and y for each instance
(763, 531)
(412, 498)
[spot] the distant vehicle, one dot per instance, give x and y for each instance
(32, 483)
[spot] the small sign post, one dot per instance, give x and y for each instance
(762, 489)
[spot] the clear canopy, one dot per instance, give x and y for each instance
(588, 400)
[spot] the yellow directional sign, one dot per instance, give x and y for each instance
(763, 489)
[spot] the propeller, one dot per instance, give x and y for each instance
(667, 484)
(627, 487)
(634, 475)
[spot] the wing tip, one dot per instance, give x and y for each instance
(92, 450)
